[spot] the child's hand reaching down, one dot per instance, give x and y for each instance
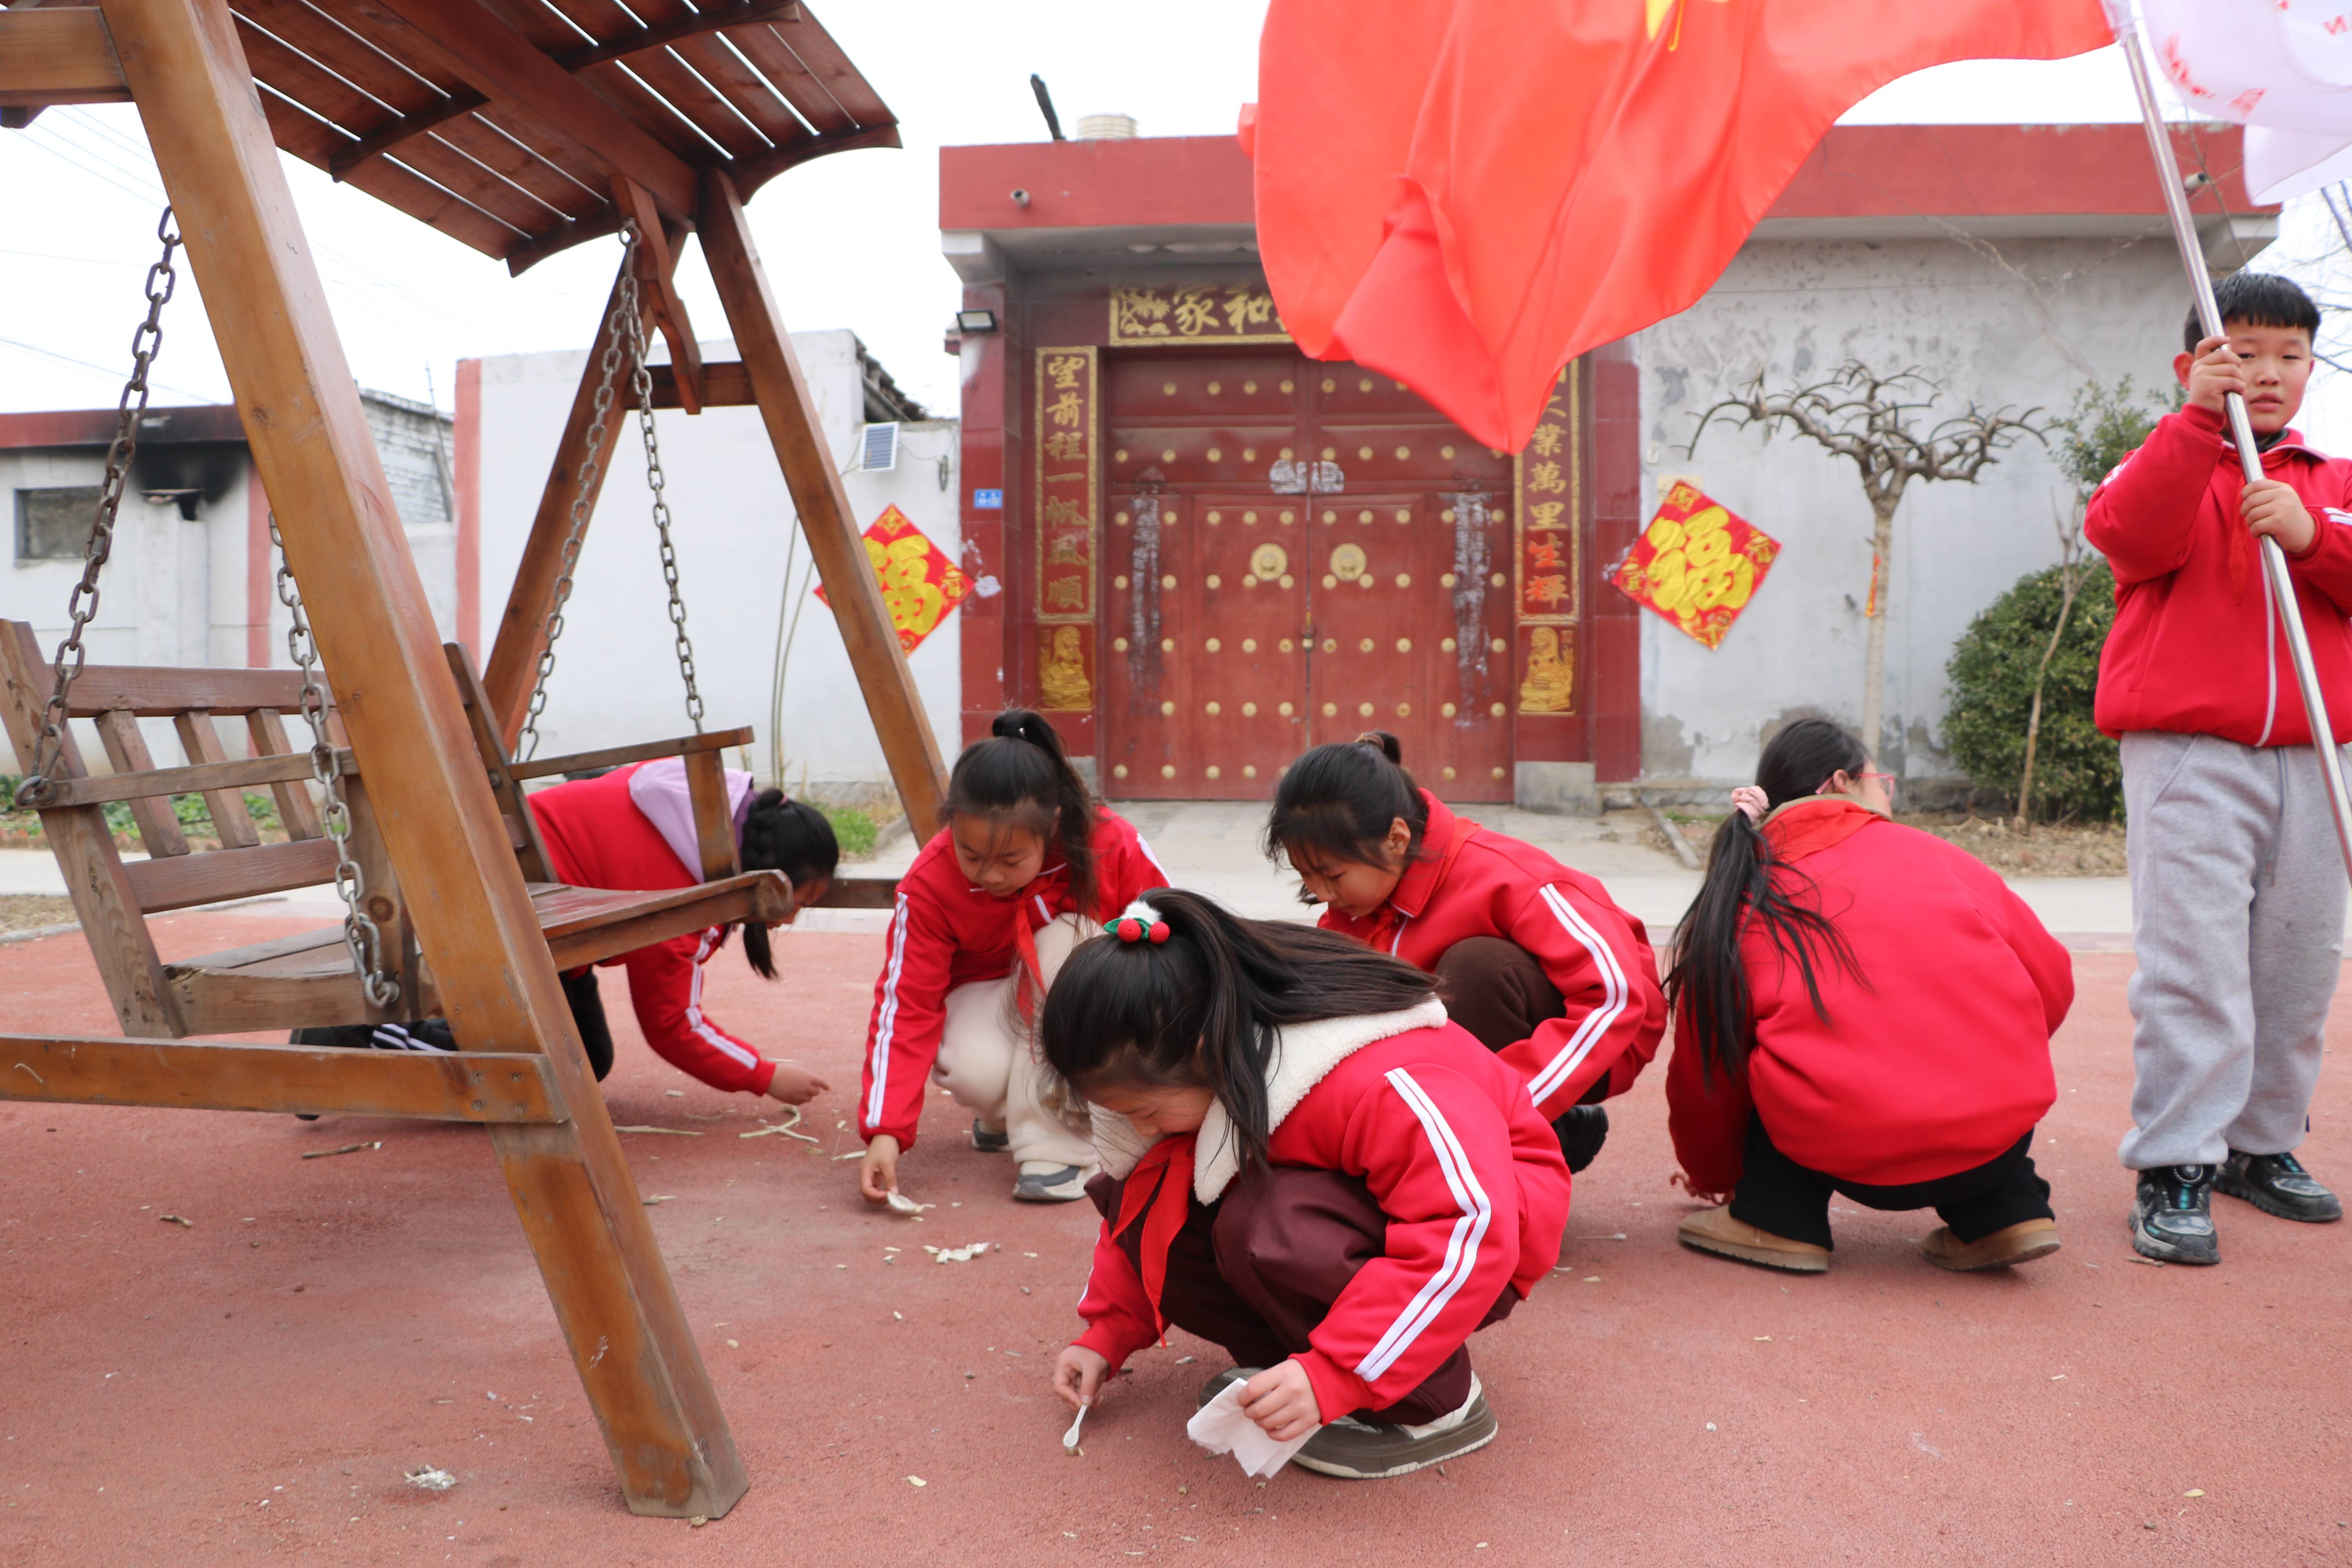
(1078, 1375)
(796, 1085)
(2272, 507)
(877, 1173)
(1282, 1402)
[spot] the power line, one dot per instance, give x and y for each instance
(115, 373)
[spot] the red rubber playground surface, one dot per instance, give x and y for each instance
(259, 1382)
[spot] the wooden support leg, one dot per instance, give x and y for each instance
(850, 584)
(474, 921)
(513, 667)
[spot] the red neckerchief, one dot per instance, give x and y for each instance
(2232, 481)
(1423, 876)
(1163, 1205)
(1802, 827)
(1031, 984)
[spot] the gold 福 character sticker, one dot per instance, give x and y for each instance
(1697, 564)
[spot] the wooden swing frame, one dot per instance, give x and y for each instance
(221, 94)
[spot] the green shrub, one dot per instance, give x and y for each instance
(853, 828)
(2077, 771)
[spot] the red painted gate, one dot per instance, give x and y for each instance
(1298, 551)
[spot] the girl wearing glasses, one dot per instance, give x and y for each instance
(1861, 1008)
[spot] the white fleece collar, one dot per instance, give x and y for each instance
(1304, 1057)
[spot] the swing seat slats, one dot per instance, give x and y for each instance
(621, 756)
(198, 778)
(308, 977)
(184, 881)
(308, 980)
(457, 1086)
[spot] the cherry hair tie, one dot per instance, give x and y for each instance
(1138, 922)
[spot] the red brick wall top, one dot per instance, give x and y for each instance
(95, 426)
(1857, 171)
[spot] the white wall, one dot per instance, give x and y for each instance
(2058, 313)
(616, 677)
(176, 592)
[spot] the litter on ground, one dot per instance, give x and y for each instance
(958, 1253)
(431, 1478)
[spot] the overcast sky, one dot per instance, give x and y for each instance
(850, 240)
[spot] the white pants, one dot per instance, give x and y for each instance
(988, 1060)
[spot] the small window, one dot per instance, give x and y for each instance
(53, 525)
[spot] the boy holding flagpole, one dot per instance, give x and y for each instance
(2238, 898)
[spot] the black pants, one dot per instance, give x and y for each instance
(1256, 1270)
(1497, 991)
(1777, 1195)
(579, 989)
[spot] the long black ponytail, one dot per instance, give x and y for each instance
(788, 835)
(1021, 777)
(1707, 984)
(1200, 1010)
(1341, 798)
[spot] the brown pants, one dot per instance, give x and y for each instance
(1497, 991)
(1257, 1271)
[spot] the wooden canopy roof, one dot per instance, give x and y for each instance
(509, 124)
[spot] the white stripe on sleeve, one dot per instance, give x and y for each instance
(1148, 855)
(1461, 1247)
(886, 1022)
(694, 1020)
(1614, 994)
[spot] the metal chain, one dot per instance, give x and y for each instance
(81, 608)
(684, 645)
(624, 326)
(361, 934)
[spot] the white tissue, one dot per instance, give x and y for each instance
(1222, 1428)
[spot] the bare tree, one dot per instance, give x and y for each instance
(2072, 568)
(1879, 423)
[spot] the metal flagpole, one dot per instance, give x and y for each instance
(2280, 583)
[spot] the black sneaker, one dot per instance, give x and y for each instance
(2172, 1216)
(1582, 1129)
(988, 1143)
(2277, 1184)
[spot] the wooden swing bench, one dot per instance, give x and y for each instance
(521, 132)
(308, 980)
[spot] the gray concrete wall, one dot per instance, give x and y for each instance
(2027, 325)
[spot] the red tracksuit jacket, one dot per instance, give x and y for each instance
(596, 837)
(947, 932)
(1470, 1177)
(1477, 883)
(2197, 647)
(1934, 1061)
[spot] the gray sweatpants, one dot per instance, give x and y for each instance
(2238, 892)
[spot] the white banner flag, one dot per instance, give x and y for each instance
(2283, 68)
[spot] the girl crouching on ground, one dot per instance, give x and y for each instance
(1533, 958)
(634, 828)
(1859, 1007)
(1305, 1164)
(984, 917)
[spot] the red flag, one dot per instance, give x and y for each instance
(1465, 194)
